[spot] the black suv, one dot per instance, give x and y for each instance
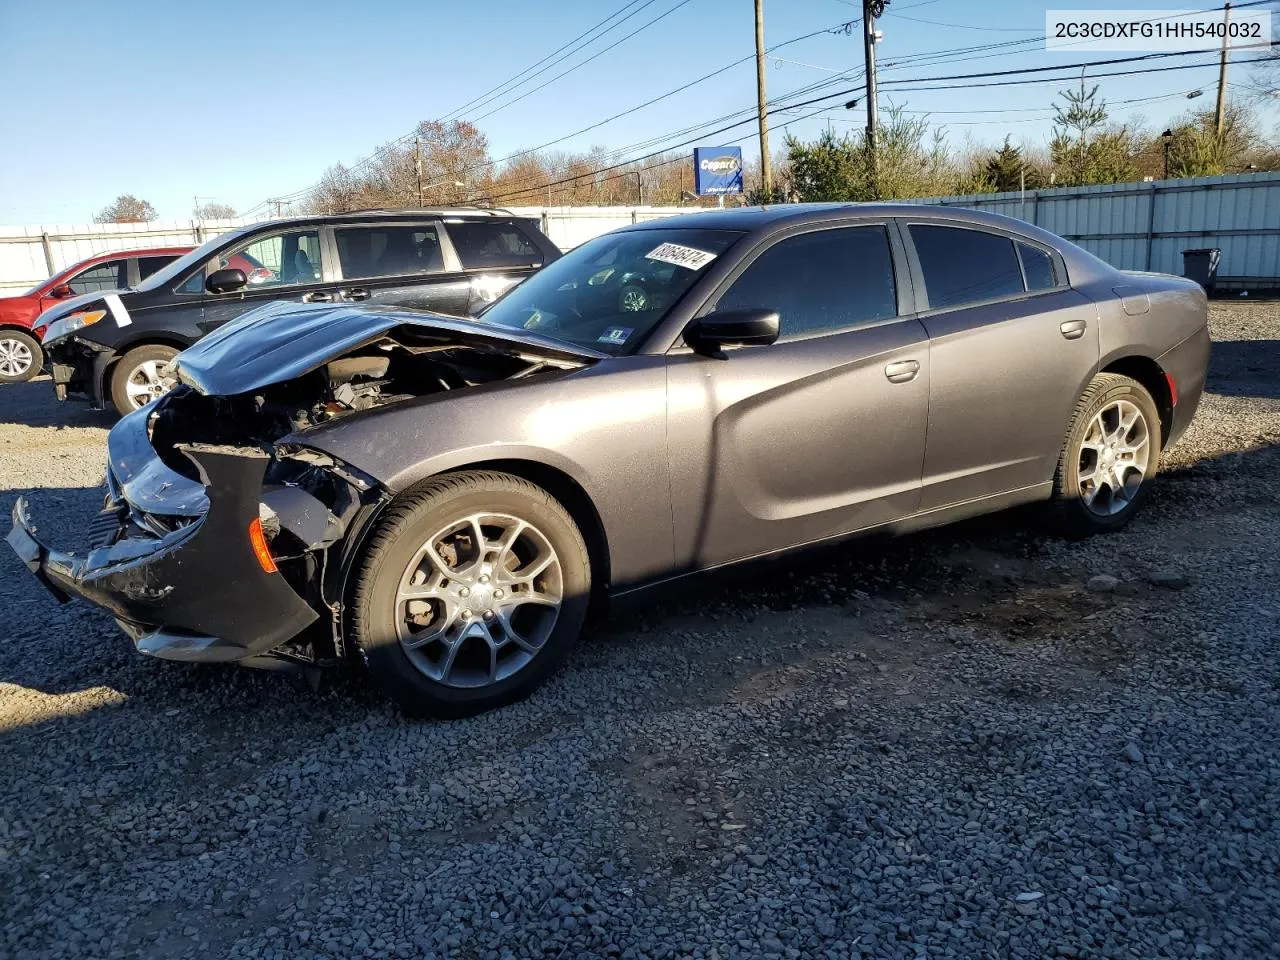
(114, 347)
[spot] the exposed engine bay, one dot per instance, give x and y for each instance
(390, 369)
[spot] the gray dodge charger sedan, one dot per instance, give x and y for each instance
(447, 499)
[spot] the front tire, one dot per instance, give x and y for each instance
(136, 379)
(471, 593)
(20, 356)
(1109, 458)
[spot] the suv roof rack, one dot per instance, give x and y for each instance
(434, 211)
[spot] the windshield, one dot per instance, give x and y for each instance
(611, 292)
(166, 275)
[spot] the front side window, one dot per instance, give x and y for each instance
(827, 280)
(965, 266)
(611, 292)
(100, 279)
(388, 251)
(486, 244)
(149, 265)
(276, 260)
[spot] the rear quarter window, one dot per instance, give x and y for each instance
(485, 244)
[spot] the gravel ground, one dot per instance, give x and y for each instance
(976, 742)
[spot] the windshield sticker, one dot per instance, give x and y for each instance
(615, 335)
(691, 258)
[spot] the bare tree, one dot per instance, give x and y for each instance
(126, 209)
(216, 211)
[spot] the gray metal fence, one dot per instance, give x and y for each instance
(1146, 226)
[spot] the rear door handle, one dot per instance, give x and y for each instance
(903, 371)
(356, 293)
(1073, 329)
(317, 297)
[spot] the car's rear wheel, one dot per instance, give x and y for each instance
(470, 594)
(1111, 455)
(138, 377)
(20, 356)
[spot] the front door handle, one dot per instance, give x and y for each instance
(1073, 329)
(903, 371)
(356, 293)
(317, 297)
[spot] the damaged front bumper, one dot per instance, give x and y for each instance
(172, 559)
(79, 367)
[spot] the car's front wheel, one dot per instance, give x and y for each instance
(1109, 458)
(139, 377)
(20, 356)
(471, 592)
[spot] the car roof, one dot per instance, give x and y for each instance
(763, 221)
(777, 215)
(144, 252)
(399, 213)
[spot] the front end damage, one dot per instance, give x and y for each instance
(223, 536)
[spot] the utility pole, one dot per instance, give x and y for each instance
(1219, 116)
(417, 165)
(1082, 146)
(639, 190)
(766, 171)
(870, 10)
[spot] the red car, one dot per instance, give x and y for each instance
(20, 354)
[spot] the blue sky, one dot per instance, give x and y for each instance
(243, 102)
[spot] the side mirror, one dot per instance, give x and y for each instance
(733, 327)
(225, 280)
(61, 291)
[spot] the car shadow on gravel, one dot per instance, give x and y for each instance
(719, 634)
(33, 404)
(1245, 368)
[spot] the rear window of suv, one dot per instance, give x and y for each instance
(481, 244)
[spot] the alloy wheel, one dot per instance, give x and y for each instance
(478, 600)
(15, 358)
(147, 383)
(1113, 458)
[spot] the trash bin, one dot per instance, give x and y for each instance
(1201, 266)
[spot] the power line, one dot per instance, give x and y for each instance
(524, 75)
(578, 66)
(381, 151)
(674, 146)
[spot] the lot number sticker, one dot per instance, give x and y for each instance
(690, 258)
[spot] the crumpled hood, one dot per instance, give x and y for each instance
(281, 341)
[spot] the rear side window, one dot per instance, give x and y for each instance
(388, 251)
(1037, 267)
(820, 281)
(100, 279)
(149, 265)
(965, 266)
(485, 243)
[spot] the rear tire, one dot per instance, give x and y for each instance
(136, 379)
(20, 356)
(449, 621)
(1109, 458)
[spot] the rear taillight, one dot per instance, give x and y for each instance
(1173, 389)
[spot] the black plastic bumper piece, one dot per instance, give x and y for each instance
(201, 583)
